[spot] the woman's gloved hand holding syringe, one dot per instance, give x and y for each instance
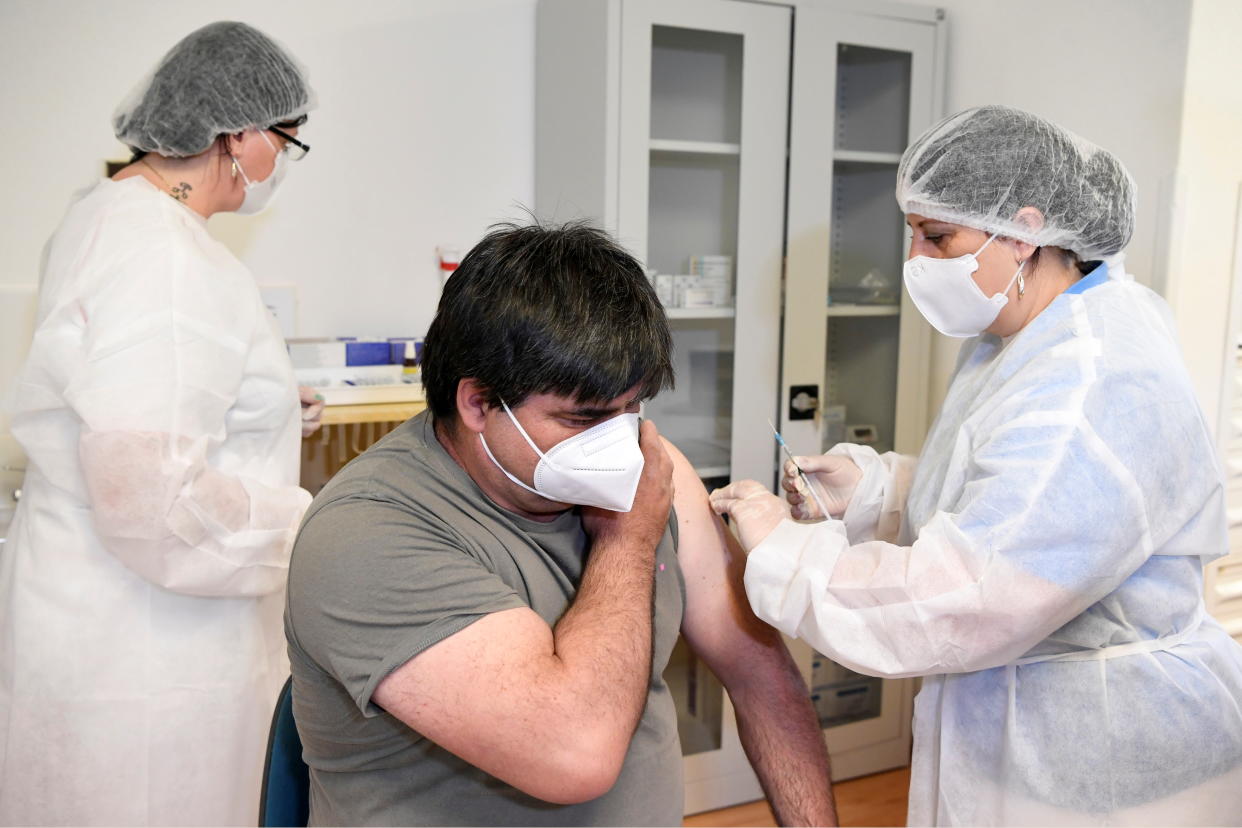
(833, 478)
(756, 512)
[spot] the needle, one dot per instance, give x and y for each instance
(810, 488)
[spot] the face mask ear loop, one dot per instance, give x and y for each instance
(521, 430)
(986, 243)
(506, 472)
(237, 168)
(1017, 277)
(263, 132)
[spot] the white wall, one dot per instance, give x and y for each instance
(424, 135)
(1205, 224)
(1110, 70)
(425, 129)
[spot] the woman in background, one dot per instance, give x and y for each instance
(141, 587)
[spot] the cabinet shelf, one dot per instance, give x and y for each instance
(701, 313)
(864, 310)
(695, 147)
(863, 157)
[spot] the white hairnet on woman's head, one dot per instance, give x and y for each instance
(219, 79)
(981, 166)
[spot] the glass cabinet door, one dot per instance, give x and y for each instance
(853, 344)
(865, 250)
(704, 85)
(745, 152)
(692, 226)
(704, 97)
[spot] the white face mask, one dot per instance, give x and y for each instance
(259, 194)
(947, 296)
(598, 467)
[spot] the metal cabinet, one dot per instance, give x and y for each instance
(763, 137)
(864, 86)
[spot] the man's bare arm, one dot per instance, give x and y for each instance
(776, 722)
(552, 711)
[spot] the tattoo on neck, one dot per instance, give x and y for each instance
(181, 192)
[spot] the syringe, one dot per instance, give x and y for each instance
(809, 486)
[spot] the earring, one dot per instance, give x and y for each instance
(1021, 282)
(235, 168)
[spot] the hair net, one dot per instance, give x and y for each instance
(219, 79)
(981, 166)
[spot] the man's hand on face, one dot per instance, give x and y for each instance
(645, 522)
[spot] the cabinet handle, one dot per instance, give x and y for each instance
(803, 401)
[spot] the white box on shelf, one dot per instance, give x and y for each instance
(712, 266)
(698, 297)
(353, 375)
(681, 282)
(696, 291)
(664, 289)
(720, 286)
(316, 352)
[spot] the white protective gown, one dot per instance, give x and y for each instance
(142, 583)
(1041, 564)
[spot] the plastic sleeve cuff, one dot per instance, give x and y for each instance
(862, 515)
(779, 582)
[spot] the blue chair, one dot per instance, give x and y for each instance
(285, 798)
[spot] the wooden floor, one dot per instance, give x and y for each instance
(877, 800)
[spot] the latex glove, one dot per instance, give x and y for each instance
(754, 510)
(834, 476)
(312, 409)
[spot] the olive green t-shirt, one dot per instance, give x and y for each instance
(399, 551)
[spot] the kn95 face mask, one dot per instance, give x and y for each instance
(597, 467)
(949, 298)
(260, 194)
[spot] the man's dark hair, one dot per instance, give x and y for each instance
(537, 310)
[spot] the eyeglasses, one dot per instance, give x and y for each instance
(294, 149)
